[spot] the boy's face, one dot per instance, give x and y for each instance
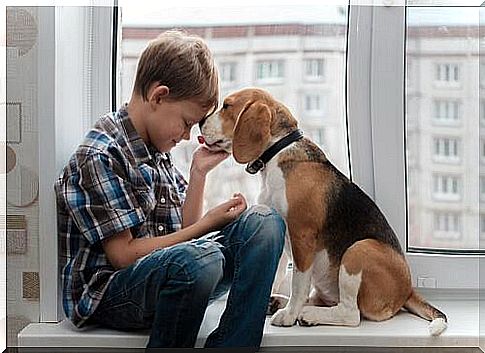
(170, 121)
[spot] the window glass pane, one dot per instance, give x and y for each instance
(442, 118)
(281, 48)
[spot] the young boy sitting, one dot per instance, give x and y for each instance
(136, 250)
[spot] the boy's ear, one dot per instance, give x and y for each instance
(157, 93)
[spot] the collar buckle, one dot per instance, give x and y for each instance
(256, 166)
(260, 163)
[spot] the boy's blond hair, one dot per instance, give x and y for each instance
(184, 64)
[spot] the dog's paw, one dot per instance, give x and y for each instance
(276, 302)
(284, 317)
(307, 317)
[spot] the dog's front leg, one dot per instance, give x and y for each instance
(300, 288)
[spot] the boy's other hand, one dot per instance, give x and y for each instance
(220, 216)
(204, 160)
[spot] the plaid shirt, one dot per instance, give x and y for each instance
(112, 182)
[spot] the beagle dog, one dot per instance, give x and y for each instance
(347, 260)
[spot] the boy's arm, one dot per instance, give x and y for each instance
(194, 199)
(203, 161)
(122, 249)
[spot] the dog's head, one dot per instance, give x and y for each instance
(249, 121)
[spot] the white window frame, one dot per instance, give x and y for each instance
(314, 98)
(314, 62)
(446, 120)
(451, 221)
(440, 144)
(280, 68)
(82, 35)
(446, 187)
(451, 71)
(230, 65)
(387, 159)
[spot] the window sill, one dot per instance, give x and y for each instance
(404, 330)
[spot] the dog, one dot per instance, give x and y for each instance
(347, 260)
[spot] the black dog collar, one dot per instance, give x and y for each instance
(260, 163)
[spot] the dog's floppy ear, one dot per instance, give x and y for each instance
(252, 132)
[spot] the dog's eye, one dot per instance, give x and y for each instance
(225, 106)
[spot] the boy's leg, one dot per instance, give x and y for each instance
(167, 290)
(252, 246)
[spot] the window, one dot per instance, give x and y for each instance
(317, 135)
(313, 104)
(446, 112)
(227, 72)
(446, 187)
(250, 51)
(314, 69)
(270, 70)
(447, 225)
(445, 149)
(447, 73)
(442, 211)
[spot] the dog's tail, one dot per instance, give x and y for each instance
(418, 306)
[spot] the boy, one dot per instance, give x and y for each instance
(136, 249)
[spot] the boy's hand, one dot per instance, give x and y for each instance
(204, 160)
(220, 216)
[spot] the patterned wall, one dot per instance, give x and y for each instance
(22, 170)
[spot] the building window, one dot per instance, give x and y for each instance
(447, 225)
(314, 69)
(446, 111)
(317, 135)
(270, 70)
(445, 149)
(228, 72)
(313, 104)
(446, 187)
(447, 73)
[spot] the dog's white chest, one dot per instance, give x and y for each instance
(273, 188)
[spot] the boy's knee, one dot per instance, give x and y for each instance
(268, 224)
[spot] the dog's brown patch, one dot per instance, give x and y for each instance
(386, 280)
(306, 209)
(252, 132)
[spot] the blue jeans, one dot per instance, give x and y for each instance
(169, 289)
